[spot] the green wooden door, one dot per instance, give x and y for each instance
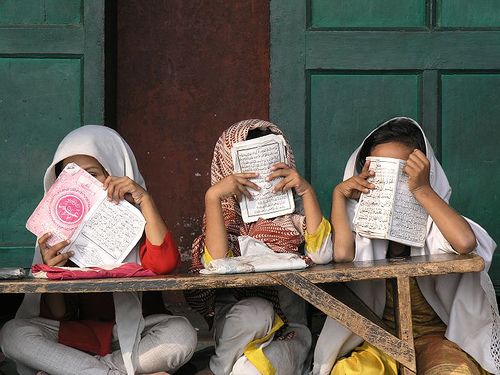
(51, 81)
(339, 67)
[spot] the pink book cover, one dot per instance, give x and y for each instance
(65, 205)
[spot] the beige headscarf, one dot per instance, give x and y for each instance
(114, 154)
(466, 303)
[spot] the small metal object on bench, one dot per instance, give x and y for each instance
(12, 273)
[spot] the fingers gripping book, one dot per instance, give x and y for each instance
(259, 155)
(390, 211)
(76, 208)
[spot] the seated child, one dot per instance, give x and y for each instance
(245, 320)
(455, 316)
(102, 333)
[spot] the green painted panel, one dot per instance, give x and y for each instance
(467, 13)
(367, 13)
(40, 12)
(40, 102)
(470, 135)
(344, 108)
(288, 24)
(417, 50)
(17, 256)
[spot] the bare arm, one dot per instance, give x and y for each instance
(120, 188)
(343, 238)
(155, 227)
(292, 179)
(453, 226)
(51, 256)
(215, 232)
(343, 245)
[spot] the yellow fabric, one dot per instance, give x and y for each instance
(253, 351)
(207, 258)
(315, 241)
(365, 360)
(424, 319)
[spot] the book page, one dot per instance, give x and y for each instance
(65, 204)
(409, 218)
(258, 155)
(373, 212)
(107, 235)
(76, 208)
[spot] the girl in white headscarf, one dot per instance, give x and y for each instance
(455, 316)
(102, 333)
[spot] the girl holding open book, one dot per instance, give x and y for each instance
(102, 333)
(257, 331)
(455, 317)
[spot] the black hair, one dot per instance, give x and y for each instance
(58, 168)
(401, 130)
(258, 132)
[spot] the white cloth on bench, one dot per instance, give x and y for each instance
(255, 257)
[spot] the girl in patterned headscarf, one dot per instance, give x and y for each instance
(245, 320)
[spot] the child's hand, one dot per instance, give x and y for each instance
(120, 188)
(291, 179)
(417, 168)
(236, 185)
(354, 186)
(51, 255)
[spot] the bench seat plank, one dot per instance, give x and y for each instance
(338, 272)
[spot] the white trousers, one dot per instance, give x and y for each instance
(167, 342)
(238, 323)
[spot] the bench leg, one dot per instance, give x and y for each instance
(402, 314)
(349, 318)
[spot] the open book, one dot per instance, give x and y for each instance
(390, 211)
(76, 208)
(258, 155)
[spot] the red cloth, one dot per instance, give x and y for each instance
(155, 259)
(59, 273)
(91, 336)
(161, 259)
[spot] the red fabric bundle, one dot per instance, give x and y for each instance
(87, 335)
(73, 273)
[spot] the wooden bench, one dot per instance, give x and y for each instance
(333, 299)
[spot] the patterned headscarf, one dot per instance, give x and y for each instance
(281, 234)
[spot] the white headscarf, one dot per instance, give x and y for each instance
(466, 303)
(114, 154)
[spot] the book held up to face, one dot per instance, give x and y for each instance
(390, 211)
(76, 208)
(259, 155)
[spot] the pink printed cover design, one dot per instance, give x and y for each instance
(65, 204)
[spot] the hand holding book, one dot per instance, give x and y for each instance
(259, 156)
(354, 186)
(76, 208)
(290, 179)
(418, 169)
(235, 185)
(53, 255)
(390, 210)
